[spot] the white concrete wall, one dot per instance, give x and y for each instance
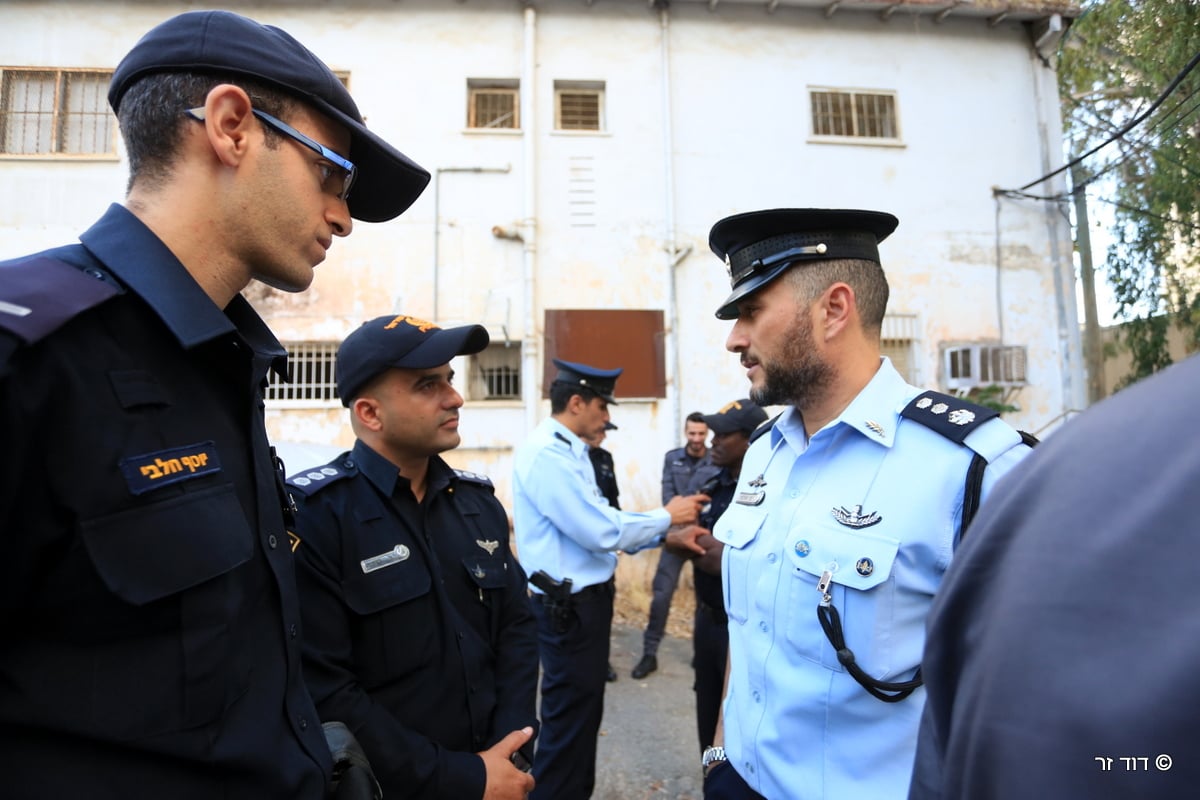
(977, 110)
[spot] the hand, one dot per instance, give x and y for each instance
(684, 542)
(710, 562)
(505, 781)
(686, 510)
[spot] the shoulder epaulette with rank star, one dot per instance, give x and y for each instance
(40, 295)
(474, 477)
(311, 481)
(948, 415)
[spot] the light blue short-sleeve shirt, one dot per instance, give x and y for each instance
(563, 525)
(874, 501)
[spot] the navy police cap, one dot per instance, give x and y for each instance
(739, 415)
(400, 342)
(600, 381)
(759, 246)
(388, 181)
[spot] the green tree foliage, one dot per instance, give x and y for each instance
(1115, 62)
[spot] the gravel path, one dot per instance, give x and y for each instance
(648, 748)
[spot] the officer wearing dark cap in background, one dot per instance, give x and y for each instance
(567, 539)
(845, 516)
(731, 428)
(149, 614)
(418, 628)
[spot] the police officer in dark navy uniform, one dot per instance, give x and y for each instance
(418, 629)
(148, 609)
(606, 472)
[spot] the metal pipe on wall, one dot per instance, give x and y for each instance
(531, 376)
(672, 254)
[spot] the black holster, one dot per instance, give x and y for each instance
(353, 778)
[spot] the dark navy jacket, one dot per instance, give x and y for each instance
(148, 615)
(419, 632)
(679, 469)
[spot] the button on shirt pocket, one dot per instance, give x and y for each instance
(737, 528)
(395, 598)
(862, 588)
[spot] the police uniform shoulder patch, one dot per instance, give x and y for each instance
(948, 415)
(39, 295)
(312, 480)
(474, 477)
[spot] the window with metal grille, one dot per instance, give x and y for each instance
(855, 115)
(496, 373)
(494, 104)
(312, 367)
(979, 365)
(579, 105)
(50, 112)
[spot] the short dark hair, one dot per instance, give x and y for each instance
(696, 416)
(870, 286)
(152, 119)
(561, 393)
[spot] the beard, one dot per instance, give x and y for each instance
(799, 375)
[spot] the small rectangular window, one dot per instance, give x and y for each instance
(579, 105)
(493, 103)
(312, 366)
(55, 112)
(496, 373)
(854, 114)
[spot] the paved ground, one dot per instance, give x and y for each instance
(648, 748)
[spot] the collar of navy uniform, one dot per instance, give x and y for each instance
(377, 469)
(132, 252)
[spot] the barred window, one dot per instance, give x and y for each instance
(494, 104)
(55, 112)
(312, 385)
(853, 114)
(495, 373)
(579, 105)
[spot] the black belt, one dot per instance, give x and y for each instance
(596, 589)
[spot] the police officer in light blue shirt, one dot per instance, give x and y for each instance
(566, 530)
(846, 514)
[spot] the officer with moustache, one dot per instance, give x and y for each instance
(845, 517)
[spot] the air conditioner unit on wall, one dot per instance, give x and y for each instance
(974, 366)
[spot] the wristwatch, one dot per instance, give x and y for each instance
(712, 755)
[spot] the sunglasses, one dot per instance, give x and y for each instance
(338, 174)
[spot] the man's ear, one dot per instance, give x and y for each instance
(575, 404)
(838, 307)
(229, 122)
(366, 412)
